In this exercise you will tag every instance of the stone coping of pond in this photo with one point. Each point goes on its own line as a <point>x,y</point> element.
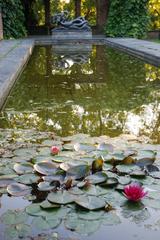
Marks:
<point>15,53</point>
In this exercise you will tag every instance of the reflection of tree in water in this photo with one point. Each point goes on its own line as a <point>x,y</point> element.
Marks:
<point>98,97</point>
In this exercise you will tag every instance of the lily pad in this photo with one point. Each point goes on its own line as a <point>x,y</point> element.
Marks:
<point>97,178</point>
<point>27,179</point>
<point>60,197</point>
<point>14,217</point>
<point>84,147</point>
<point>111,218</point>
<point>145,157</point>
<point>90,202</point>
<point>18,231</point>
<point>47,205</point>
<point>25,152</point>
<point>5,180</point>
<point>45,186</point>
<point>46,168</point>
<point>34,210</point>
<point>18,189</point>
<point>43,224</point>
<point>94,190</point>
<point>138,174</point>
<point>22,168</point>
<point>127,169</point>
<point>90,215</point>
<point>79,171</point>
<point>105,147</point>
<point>111,182</point>
<point>81,226</point>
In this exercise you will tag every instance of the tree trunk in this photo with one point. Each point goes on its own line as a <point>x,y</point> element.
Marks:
<point>102,8</point>
<point>77,8</point>
<point>47,12</point>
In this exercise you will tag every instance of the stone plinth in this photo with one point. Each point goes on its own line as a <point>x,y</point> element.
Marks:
<point>71,35</point>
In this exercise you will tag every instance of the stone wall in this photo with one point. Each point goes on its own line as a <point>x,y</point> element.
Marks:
<point>1,26</point>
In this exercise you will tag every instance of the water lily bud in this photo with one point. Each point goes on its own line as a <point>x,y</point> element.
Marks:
<point>55,150</point>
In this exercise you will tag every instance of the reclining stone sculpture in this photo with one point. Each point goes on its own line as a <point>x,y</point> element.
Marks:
<point>62,22</point>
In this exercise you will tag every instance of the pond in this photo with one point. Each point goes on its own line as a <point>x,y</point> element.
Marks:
<point>98,91</point>
<point>92,104</point>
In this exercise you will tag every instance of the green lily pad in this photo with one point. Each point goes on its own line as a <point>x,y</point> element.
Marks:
<point>105,147</point>
<point>155,174</point>
<point>94,190</point>
<point>145,157</point>
<point>114,198</point>
<point>22,168</point>
<point>47,205</point>
<point>79,171</point>
<point>60,159</point>
<point>81,226</point>
<point>34,210</point>
<point>75,191</point>
<point>51,178</point>
<point>27,179</point>
<point>18,231</point>
<point>111,218</point>
<point>138,174</point>
<point>5,180</point>
<point>90,202</point>
<point>152,203</point>
<point>97,178</point>
<point>25,152</point>
<point>60,197</point>
<point>18,189</point>
<point>14,217</point>
<point>45,186</point>
<point>127,169</point>
<point>43,224</point>
<point>84,147</point>
<point>124,180</point>
<point>90,215</point>
<point>46,168</point>
<point>111,182</point>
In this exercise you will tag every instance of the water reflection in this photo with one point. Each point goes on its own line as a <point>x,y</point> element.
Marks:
<point>111,93</point>
<point>65,56</point>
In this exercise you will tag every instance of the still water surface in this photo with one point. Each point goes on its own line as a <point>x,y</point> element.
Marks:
<point>99,91</point>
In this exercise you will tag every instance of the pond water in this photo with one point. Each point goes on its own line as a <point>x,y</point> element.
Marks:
<point>97,91</point>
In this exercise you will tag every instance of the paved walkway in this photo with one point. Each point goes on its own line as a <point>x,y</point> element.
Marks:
<point>15,53</point>
<point>13,56</point>
<point>146,50</point>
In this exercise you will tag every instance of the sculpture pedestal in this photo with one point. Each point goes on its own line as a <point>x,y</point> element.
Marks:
<point>71,35</point>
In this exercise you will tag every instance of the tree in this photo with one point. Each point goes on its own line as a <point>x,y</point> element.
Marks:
<point>102,8</point>
<point>77,8</point>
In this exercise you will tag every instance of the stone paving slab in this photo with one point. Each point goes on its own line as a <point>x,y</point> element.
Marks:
<point>7,46</point>
<point>146,50</point>
<point>14,55</point>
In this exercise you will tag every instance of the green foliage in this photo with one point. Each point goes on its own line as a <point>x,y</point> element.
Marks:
<point>13,18</point>
<point>127,18</point>
<point>154,9</point>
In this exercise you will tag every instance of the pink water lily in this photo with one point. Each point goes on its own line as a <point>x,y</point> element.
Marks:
<point>55,150</point>
<point>134,192</point>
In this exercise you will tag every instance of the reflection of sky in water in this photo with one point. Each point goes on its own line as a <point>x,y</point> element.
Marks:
<point>108,93</point>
